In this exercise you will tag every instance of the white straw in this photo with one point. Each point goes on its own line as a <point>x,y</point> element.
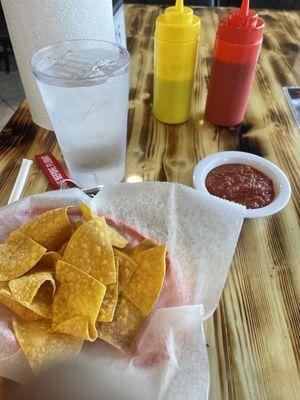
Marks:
<point>20,181</point>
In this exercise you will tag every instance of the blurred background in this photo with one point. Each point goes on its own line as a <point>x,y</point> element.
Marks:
<point>11,90</point>
<point>275,4</point>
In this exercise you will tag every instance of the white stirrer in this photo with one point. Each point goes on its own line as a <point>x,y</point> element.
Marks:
<point>20,181</point>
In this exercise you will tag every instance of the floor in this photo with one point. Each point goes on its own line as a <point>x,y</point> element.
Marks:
<point>11,92</point>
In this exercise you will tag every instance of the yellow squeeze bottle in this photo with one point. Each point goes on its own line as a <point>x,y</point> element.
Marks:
<point>175,56</point>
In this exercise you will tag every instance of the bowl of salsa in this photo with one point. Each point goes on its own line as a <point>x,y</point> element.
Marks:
<point>246,179</point>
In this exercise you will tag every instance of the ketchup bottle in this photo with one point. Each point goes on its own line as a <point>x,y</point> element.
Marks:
<point>238,42</point>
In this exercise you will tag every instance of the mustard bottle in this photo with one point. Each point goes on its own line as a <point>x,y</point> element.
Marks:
<point>175,56</point>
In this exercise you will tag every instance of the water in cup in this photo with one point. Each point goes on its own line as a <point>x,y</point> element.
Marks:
<point>85,91</point>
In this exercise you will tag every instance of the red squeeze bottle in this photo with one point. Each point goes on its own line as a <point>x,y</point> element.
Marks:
<point>238,42</point>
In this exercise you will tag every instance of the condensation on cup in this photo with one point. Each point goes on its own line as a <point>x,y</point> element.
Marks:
<point>85,87</point>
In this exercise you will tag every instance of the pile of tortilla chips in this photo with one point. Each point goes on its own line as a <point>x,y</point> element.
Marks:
<point>74,281</point>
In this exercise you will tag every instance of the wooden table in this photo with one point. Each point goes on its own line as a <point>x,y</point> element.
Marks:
<point>253,339</point>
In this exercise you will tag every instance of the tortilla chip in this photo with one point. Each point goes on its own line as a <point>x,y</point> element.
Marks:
<point>87,212</point>
<point>61,251</point>
<point>77,302</point>
<point>47,262</point>
<point>4,285</point>
<point>146,283</point>
<point>126,268</point>
<point>18,254</point>
<point>90,250</point>
<point>122,331</point>
<point>35,291</point>
<point>110,301</point>
<point>76,225</point>
<point>26,287</point>
<point>116,239</point>
<point>42,346</point>
<point>109,304</point>
<point>50,229</point>
<point>7,298</point>
<point>133,252</point>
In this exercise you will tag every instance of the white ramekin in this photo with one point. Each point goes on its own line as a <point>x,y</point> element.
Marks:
<point>281,182</point>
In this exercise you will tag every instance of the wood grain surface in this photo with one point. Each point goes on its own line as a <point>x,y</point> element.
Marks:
<point>253,339</point>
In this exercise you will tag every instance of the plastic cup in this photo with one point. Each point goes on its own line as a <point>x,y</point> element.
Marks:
<point>85,85</point>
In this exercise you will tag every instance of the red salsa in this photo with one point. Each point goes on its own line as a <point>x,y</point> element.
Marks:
<point>241,184</point>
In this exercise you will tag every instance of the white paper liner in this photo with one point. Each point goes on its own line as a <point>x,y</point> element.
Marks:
<point>201,233</point>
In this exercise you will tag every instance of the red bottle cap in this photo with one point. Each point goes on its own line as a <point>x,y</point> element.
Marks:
<point>241,26</point>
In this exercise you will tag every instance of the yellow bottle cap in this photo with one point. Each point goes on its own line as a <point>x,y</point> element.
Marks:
<point>178,24</point>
